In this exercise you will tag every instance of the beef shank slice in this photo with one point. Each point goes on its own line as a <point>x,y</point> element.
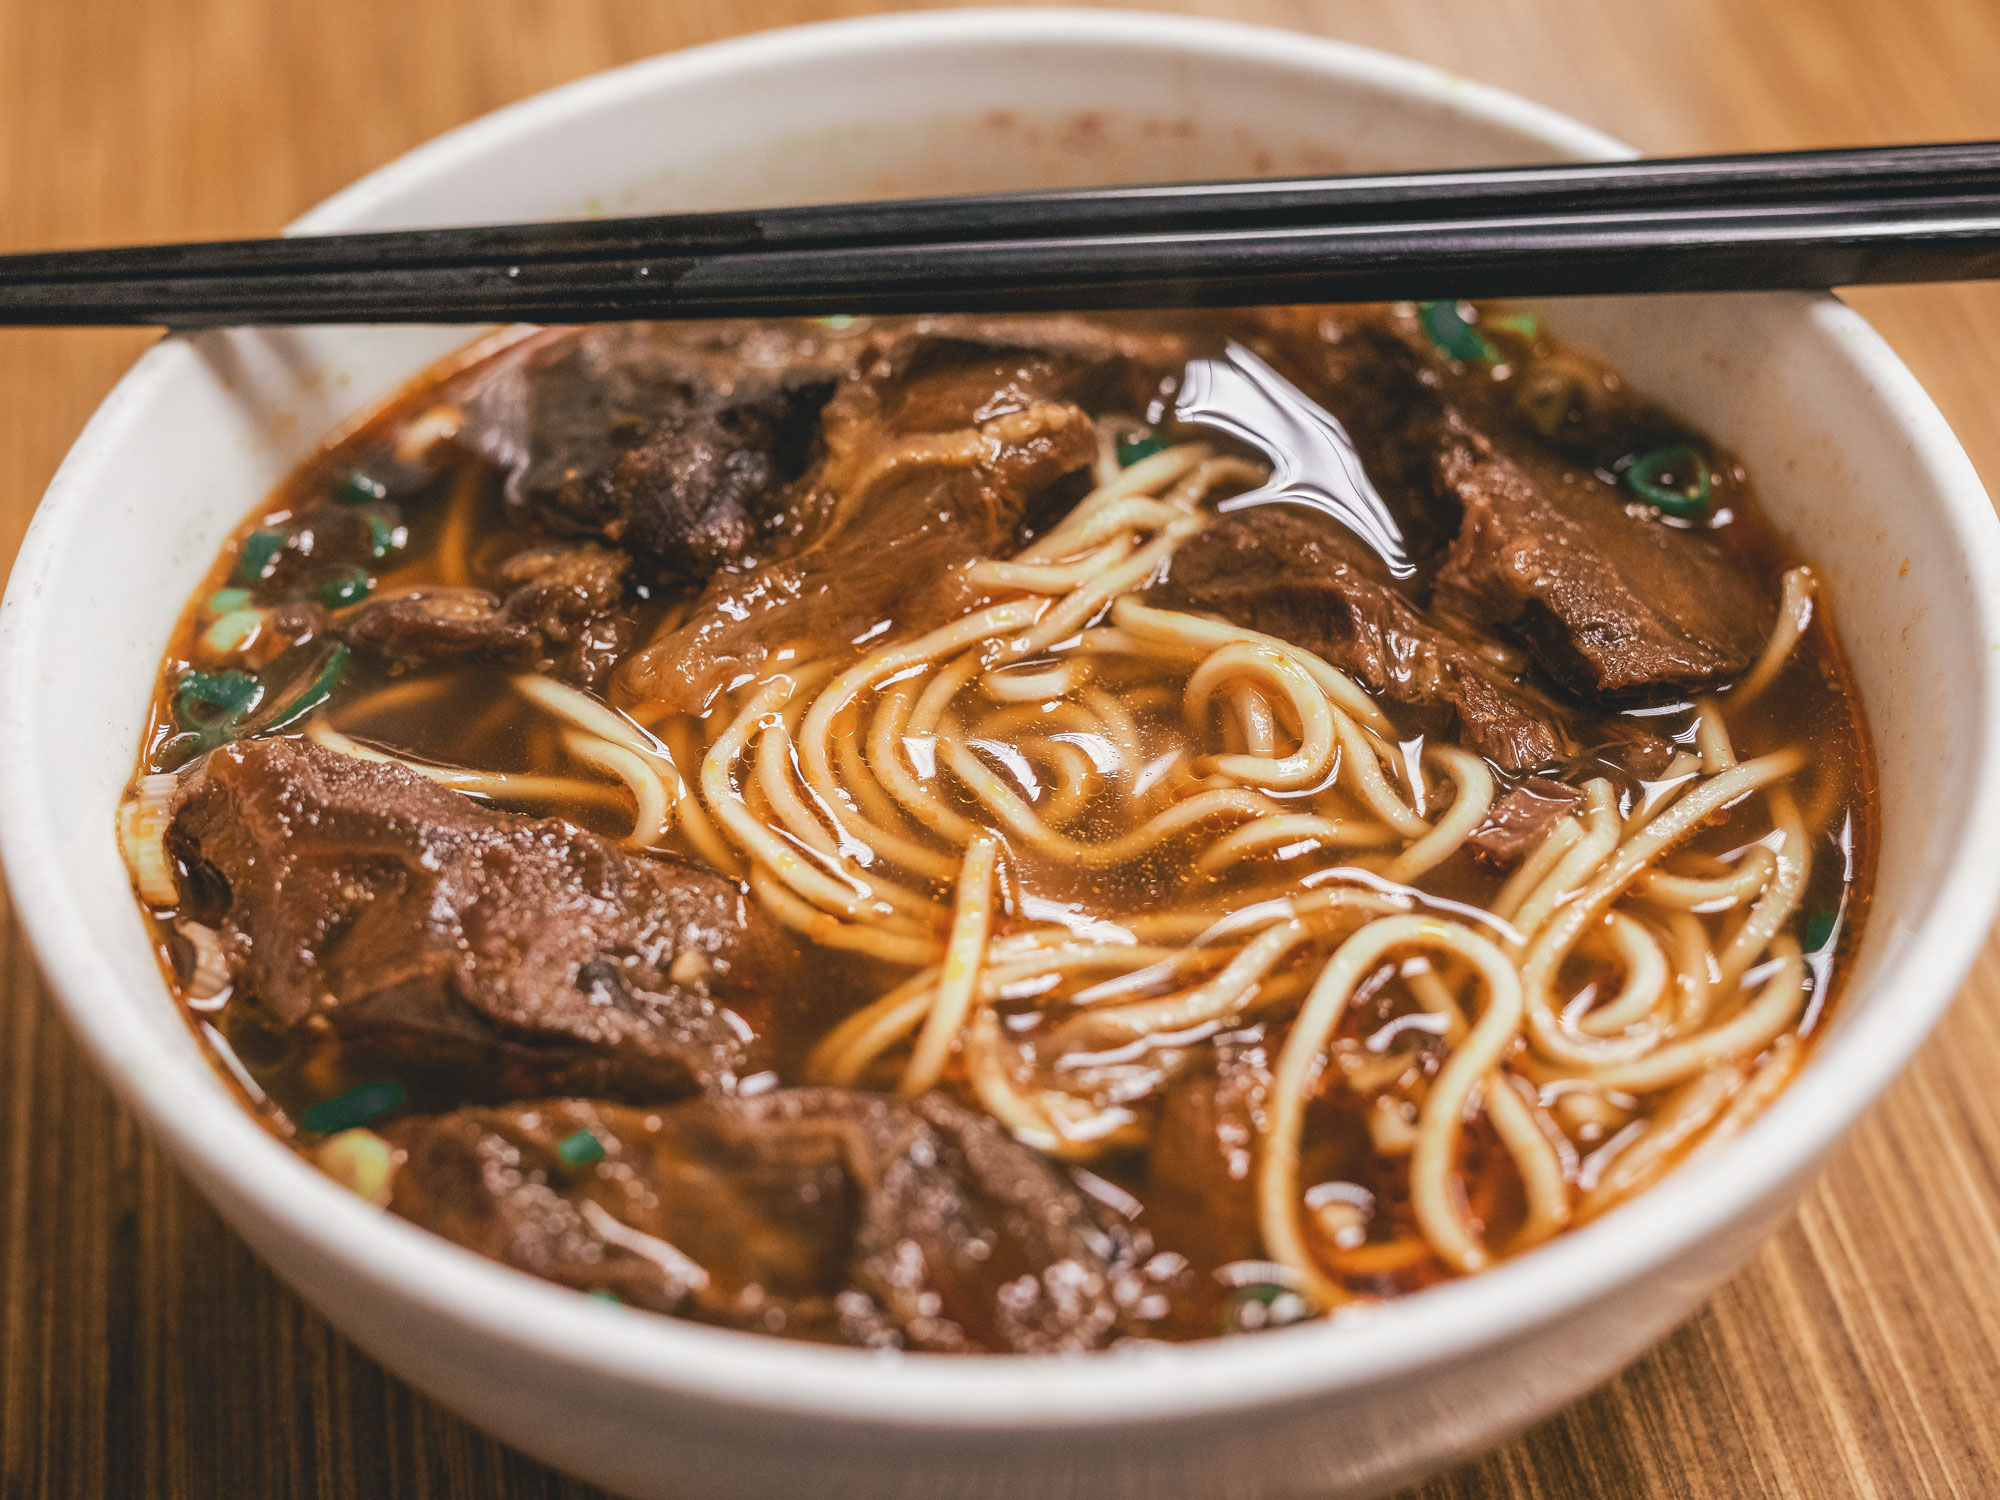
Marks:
<point>821,1213</point>
<point>1517,532</point>
<point>1614,600</point>
<point>678,445</point>
<point>413,923</point>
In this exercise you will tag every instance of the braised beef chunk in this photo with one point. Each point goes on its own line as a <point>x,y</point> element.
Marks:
<point>933,457</point>
<point>1523,534</point>
<point>410,922</point>
<point>1612,599</point>
<point>947,373</point>
<point>563,616</point>
<point>1290,573</point>
<point>677,446</point>
<point>820,1213</point>
<point>1519,819</point>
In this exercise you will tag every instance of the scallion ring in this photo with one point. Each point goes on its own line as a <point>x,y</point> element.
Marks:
<point>259,554</point>
<point>349,586</point>
<point>211,704</point>
<point>1675,479</point>
<point>1145,447</point>
<point>232,630</point>
<point>320,681</point>
<point>361,489</point>
<point>385,536</point>
<point>359,1105</point>
<point>580,1150</point>
<point>1453,334</point>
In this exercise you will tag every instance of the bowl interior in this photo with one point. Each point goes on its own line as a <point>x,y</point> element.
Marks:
<point>1850,458</point>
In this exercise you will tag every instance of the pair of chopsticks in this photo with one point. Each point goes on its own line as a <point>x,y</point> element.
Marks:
<point>1725,223</point>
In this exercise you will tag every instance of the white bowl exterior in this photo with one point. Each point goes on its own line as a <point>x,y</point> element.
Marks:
<point>1851,459</point>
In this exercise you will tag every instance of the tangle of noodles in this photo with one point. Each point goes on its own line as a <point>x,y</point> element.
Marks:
<point>1064,728</point>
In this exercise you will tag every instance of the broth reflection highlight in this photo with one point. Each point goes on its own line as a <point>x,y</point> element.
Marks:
<point>1009,834</point>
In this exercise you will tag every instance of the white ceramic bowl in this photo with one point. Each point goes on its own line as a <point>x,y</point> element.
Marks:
<point>1853,461</point>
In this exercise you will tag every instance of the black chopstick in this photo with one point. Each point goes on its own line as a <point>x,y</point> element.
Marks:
<point>1803,220</point>
<point>1666,183</point>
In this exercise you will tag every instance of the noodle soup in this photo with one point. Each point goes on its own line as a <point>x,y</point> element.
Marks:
<point>1009,835</point>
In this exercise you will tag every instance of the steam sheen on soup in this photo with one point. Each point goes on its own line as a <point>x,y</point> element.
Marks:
<point>1009,834</point>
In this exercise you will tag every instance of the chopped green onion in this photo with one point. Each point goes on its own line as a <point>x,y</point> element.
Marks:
<point>1453,334</point>
<point>363,1162</point>
<point>232,629</point>
<point>1145,447</point>
<point>1525,323</point>
<point>580,1150</point>
<point>361,489</point>
<point>1675,480</point>
<point>601,1295</point>
<point>222,601</point>
<point>317,690</point>
<point>1263,1304</point>
<point>1820,929</point>
<point>385,536</point>
<point>355,1107</point>
<point>211,704</point>
<point>210,708</point>
<point>259,551</point>
<point>349,586</point>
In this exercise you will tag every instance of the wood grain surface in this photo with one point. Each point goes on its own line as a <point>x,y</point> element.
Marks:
<point>144,1352</point>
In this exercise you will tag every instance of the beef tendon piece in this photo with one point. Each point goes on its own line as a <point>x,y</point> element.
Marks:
<point>1613,599</point>
<point>934,455</point>
<point>358,900</point>
<point>820,1213</point>
<point>678,445</point>
<point>562,616</point>
<point>1287,572</point>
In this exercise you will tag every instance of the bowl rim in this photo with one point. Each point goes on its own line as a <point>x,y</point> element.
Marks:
<point>236,1160</point>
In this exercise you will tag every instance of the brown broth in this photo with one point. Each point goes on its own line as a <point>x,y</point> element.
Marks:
<point>467,716</point>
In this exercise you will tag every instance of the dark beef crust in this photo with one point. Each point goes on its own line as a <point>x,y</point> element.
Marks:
<point>410,922</point>
<point>821,1213</point>
<point>677,445</point>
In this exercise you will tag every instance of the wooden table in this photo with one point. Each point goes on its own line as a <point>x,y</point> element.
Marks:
<point>143,1351</point>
